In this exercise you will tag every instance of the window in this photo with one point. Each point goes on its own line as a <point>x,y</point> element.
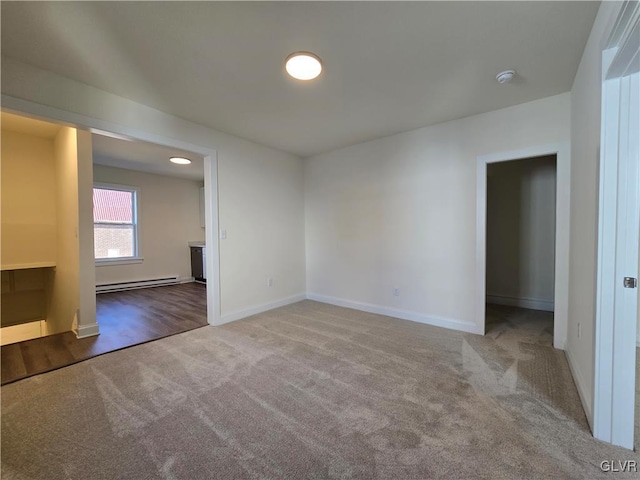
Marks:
<point>115,223</point>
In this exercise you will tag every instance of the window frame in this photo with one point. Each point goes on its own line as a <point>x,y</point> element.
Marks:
<point>137,256</point>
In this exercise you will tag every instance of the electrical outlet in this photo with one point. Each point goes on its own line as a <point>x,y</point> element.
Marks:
<point>396,292</point>
<point>579,330</point>
<point>269,282</point>
<point>223,234</point>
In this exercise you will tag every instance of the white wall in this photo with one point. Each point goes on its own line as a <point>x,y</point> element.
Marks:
<point>162,202</point>
<point>65,294</point>
<point>260,189</point>
<point>585,151</point>
<point>86,322</point>
<point>262,212</point>
<point>401,212</point>
<point>521,216</point>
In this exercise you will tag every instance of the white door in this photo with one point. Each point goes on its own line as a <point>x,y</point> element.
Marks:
<point>618,241</point>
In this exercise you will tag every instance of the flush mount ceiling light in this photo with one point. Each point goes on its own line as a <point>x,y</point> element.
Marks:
<point>180,160</point>
<point>303,65</point>
<point>506,76</point>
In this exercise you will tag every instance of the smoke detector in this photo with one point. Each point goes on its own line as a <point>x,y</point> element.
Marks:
<point>506,76</point>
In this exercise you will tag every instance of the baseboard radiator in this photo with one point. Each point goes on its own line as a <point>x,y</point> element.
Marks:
<point>118,287</point>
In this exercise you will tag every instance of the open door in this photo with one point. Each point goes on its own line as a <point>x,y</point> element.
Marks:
<point>618,235</point>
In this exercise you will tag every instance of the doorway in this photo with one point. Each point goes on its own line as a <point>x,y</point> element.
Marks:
<point>148,218</point>
<point>561,237</point>
<point>33,269</point>
<point>117,130</point>
<point>40,251</point>
<point>520,248</point>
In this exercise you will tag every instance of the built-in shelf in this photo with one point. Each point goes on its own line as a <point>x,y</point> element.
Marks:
<point>23,266</point>
<point>24,295</point>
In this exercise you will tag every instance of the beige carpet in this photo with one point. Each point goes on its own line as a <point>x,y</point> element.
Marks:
<point>311,391</point>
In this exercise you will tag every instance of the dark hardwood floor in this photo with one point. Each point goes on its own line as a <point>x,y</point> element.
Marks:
<point>125,319</point>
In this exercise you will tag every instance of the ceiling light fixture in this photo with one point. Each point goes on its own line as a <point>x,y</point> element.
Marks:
<point>303,65</point>
<point>180,160</point>
<point>506,76</point>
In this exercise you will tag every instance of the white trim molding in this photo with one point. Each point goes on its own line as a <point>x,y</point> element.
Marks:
<point>562,152</point>
<point>84,331</point>
<point>522,302</point>
<point>264,307</point>
<point>402,314</point>
<point>212,226</point>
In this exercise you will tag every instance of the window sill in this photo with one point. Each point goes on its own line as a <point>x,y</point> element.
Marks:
<point>106,262</point>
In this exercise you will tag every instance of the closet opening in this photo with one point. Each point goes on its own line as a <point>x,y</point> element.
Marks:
<point>520,247</point>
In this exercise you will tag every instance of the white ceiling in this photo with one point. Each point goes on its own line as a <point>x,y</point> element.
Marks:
<point>145,157</point>
<point>389,66</point>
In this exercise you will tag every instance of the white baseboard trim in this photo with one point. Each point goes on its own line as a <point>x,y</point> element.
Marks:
<point>579,381</point>
<point>247,312</point>
<point>186,279</point>
<point>84,331</point>
<point>403,314</point>
<point>523,302</point>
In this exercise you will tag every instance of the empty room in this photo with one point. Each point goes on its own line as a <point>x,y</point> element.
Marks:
<point>405,246</point>
<point>147,286</point>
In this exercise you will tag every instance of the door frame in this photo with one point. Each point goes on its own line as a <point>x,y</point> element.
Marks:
<point>618,248</point>
<point>563,178</point>
<point>83,122</point>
